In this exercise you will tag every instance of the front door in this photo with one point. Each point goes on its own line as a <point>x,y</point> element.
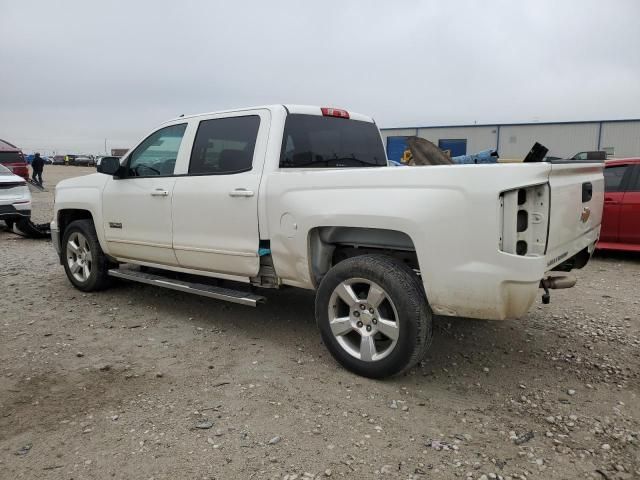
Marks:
<point>614,184</point>
<point>215,205</point>
<point>137,206</point>
<point>630,211</point>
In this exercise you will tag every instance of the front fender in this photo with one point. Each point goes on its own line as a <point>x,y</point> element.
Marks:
<point>82,193</point>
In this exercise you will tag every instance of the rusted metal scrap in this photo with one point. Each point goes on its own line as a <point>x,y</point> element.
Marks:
<point>424,152</point>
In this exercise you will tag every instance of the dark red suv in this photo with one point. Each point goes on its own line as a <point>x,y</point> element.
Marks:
<point>621,214</point>
<point>13,158</point>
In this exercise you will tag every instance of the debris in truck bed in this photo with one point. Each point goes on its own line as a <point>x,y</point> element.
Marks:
<point>423,152</point>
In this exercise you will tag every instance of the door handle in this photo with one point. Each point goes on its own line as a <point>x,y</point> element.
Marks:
<point>159,192</point>
<point>610,201</point>
<point>241,192</point>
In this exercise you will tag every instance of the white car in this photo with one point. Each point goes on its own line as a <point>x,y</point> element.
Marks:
<point>300,196</point>
<point>15,197</point>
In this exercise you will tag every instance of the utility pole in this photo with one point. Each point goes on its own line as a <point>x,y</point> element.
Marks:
<point>105,147</point>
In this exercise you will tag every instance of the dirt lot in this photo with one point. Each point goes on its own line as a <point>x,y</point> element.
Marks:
<point>137,382</point>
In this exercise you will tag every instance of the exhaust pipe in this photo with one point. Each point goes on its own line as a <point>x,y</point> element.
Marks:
<point>560,281</point>
<point>556,282</point>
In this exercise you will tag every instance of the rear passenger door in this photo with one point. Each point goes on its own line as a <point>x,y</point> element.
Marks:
<point>630,210</point>
<point>215,203</point>
<point>615,178</point>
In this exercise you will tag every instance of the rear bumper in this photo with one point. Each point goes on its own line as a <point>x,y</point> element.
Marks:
<point>504,289</point>
<point>493,299</point>
<point>8,212</point>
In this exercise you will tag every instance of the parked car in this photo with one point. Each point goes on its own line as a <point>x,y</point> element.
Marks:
<point>15,197</point>
<point>13,158</point>
<point>621,216</point>
<point>58,160</point>
<point>84,161</point>
<point>591,155</point>
<point>303,196</point>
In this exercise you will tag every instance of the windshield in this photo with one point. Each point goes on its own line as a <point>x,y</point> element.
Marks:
<point>313,141</point>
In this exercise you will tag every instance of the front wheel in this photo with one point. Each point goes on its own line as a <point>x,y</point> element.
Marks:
<point>85,263</point>
<point>373,315</point>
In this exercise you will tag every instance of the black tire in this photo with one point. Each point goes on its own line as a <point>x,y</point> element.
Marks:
<point>404,291</point>
<point>98,279</point>
<point>9,224</point>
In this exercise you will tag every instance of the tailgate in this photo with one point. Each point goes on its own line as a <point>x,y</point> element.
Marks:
<point>577,196</point>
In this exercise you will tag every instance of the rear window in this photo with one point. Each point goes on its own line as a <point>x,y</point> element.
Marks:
<point>313,141</point>
<point>11,157</point>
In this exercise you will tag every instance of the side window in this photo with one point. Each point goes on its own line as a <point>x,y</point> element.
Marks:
<point>157,154</point>
<point>613,177</point>
<point>224,145</point>
<point>634,185</point>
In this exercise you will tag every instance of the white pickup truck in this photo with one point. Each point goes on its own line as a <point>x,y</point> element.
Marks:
<point>299,196</point>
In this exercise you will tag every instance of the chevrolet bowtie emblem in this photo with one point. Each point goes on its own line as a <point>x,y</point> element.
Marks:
<point>586,213</point>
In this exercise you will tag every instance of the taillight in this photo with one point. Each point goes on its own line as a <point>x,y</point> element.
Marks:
<point>334,112</point>
<point>524,220</point>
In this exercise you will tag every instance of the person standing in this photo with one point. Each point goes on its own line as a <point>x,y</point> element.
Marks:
<point>37,165</point>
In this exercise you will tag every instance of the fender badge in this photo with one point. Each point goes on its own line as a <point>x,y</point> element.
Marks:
<point>115,225</point>
<point>586,213</point>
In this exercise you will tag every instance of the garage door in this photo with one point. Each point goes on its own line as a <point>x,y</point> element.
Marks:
<point>456,146</point>
<point>396,147</point>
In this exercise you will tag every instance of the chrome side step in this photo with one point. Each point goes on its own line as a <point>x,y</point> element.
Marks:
<point>219,293</point>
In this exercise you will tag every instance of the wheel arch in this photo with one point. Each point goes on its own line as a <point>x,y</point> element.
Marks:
<point>328,245</point>
<point>68,215</point>
<point>64,217</point>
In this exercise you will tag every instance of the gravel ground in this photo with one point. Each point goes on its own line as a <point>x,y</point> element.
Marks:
<point>138,382</point>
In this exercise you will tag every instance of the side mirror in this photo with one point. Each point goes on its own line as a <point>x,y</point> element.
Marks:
<point>108,165</point>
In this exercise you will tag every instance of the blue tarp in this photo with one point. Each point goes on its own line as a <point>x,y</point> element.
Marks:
<point>485,156</point>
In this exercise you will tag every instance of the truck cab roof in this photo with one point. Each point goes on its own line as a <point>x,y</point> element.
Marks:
<point>289,108</point>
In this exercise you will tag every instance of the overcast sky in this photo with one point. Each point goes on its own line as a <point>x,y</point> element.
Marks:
<point>73,73</point>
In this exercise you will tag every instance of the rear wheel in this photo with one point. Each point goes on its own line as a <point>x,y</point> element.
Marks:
<point>373,315</point>
<point>85,263</point>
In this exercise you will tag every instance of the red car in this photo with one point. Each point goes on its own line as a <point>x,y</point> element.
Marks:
<point>13,158</point>
<point>621,215</point>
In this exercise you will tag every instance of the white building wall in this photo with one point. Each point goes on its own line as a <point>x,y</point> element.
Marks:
<point>624,137</point>
<point>562,140</point>
<point>398,132</point>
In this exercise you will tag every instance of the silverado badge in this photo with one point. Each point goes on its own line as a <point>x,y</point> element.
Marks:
<point>586,213</point>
